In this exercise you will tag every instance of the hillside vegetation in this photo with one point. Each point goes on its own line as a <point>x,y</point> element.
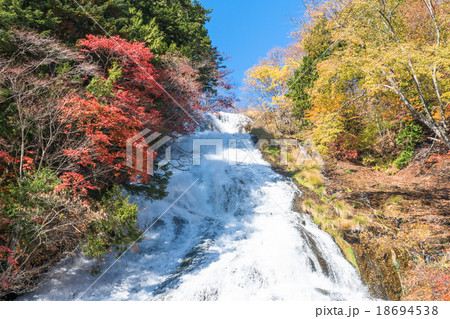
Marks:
<point>76,82</point>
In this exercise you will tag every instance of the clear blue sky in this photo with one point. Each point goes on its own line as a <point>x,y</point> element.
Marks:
<point>246,30</point>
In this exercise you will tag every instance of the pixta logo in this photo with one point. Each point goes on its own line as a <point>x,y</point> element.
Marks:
<point>229,152</point>
<point>141,151</point>
<point>142,148</point>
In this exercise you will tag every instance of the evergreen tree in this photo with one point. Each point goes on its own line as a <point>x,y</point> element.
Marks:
<point>317,47</point>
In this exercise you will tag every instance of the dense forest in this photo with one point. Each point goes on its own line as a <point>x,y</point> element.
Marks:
<point>365,88</point>
<point>372,79</point>
<point>77,79</point>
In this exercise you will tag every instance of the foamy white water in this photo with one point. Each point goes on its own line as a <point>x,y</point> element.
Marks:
<point>232,236</point>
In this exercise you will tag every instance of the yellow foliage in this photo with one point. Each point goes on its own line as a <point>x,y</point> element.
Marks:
<point>268,79</point>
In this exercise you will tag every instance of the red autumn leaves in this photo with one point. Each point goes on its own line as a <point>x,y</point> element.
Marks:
<point>126,99</point>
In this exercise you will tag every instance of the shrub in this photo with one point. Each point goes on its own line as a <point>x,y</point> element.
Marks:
<point>326,131</point>
<point>332,139</point>
<point>407,140</point>
<point>404,158</point>
<point>345,147</point>
<point>116,229</point>
<point>38,227</point>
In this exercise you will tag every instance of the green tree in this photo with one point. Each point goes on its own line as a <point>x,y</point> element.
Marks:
<point>164,25</point>
<point>317,47</point>
<point>116,229</point>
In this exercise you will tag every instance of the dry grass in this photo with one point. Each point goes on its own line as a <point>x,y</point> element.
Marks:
<point>308,205</point>
<point>343,209</point>
<point>310,176</point>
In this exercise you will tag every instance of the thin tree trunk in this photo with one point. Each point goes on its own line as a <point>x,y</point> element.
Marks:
<point>22,151</point>
<point>439,130</point>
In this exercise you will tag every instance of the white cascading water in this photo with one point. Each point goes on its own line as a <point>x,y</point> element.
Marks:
<point>231,236</point>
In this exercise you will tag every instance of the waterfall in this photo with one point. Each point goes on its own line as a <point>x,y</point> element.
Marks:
<point>232,234</point>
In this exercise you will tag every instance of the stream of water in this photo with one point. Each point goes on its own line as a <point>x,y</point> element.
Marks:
<point>232,235</point>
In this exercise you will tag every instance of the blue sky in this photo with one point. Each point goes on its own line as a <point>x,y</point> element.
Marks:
<point>246,30</point>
